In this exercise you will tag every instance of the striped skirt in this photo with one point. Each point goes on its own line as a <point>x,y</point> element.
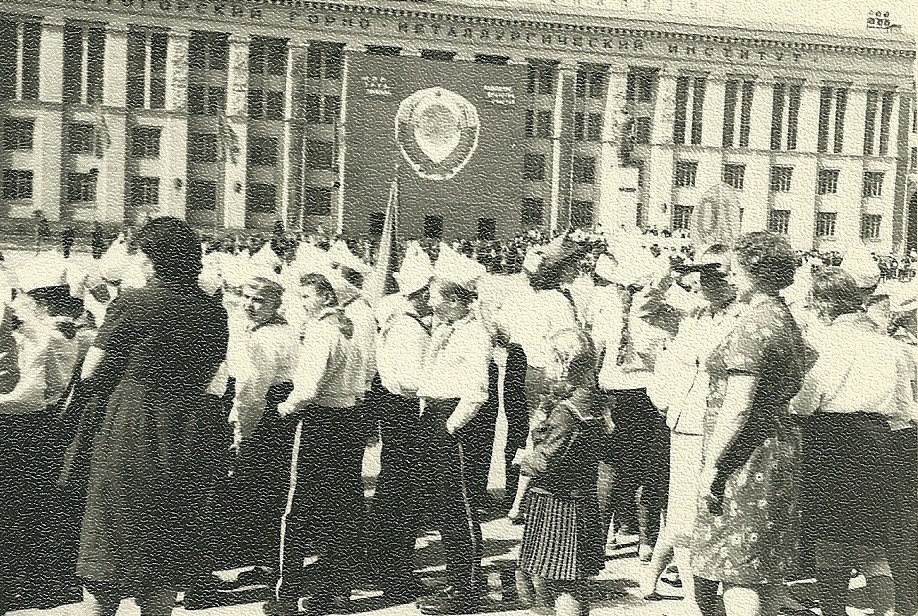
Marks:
<point>563,538</point>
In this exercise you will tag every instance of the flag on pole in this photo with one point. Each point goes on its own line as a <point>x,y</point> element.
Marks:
<point>228,141</point>
<point>381,281</point>
<point>102,136</point>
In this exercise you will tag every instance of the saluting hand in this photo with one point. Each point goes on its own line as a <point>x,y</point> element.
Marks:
<point>286,409</point>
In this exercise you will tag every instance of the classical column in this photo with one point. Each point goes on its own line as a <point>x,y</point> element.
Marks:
<point>110,183</point>
<point>234,169</point>
<point>351,53</point>
<point>614,209</point>
<point>562,151</point>
<point>710,158</point>
<point>174,184</point>
<point>855,122</point>
<point>291,161</point>
<point>46,178</point>
<point>760,128</point>
<point>659,166</point>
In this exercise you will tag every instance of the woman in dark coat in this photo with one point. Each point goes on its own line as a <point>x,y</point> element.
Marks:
<point>156,454</point>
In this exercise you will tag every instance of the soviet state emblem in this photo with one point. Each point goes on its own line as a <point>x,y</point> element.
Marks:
<point>437,132</point>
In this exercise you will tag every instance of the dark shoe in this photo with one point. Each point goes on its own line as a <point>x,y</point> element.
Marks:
<point>322,606</point>
<point>449,601</point>
<point>283,607</point>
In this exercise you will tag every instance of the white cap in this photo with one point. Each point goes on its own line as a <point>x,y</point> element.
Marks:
<point>456,268</point>
<point>860,265</point>
<point>416,270</point>
<point>46,269</point>
<point>340,254</point>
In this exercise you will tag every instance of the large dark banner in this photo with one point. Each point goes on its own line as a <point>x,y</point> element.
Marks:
<point>453,129</point>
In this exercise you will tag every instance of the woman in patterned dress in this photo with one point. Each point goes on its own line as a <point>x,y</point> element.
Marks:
<point>745,533</point>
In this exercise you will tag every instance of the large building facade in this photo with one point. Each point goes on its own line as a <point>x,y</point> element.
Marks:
<point>234,114</point>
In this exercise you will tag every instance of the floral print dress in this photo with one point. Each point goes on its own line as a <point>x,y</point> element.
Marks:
<point>753,540</point>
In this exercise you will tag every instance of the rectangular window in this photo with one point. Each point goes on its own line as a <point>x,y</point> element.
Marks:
<point>331,108</point>
<point>81,138</point>
<point>686,173</point>
<point>324,61</point>
<point>262,151</point>
<point>827,182</point>
<point>261,198</point>
<point>202,147</point>
<point>317,201</point>
<point>81,187</point>
<point>870,226</point>
<point>216,100</point>
<point>312,108</point>
<point>17,184</point>
<point>640,86</point>
<point>885,121</point>
<point>746,113</point>
<point>779,221</point>
<point>197,98</point>
<point>734,175</point>
<point>146,69</point>
<point>777,115</point>
<point>17,133</point>
<point>208,51</point>
<point>265,104</point>
<point>841,104</point>
<point>544,125</point>
<point>642,130</point>
<point>870,122</point>
<point>319,154</point>
<point>780,180</point>
<point>682,92</point>
<point>682,217</point>
<point>825,224</point>
<point>579,126</point>
<point>793,115</point>
<point>698,109</point>
<point>541,78</point>
<point>825,110</point>
<point>84,49</point>
<point>594,127</point>
<point>275,105</point>
<point>19,46</point>
<point>873,184</point>
<point>584,169</point>
<point>533,166</point>
<point>487,228</point>
<point>581,214</point>
<point>530,124</point>
<point>144,192</point>
<point>438,55</point>
<point>433,227</point>
<point>731,90</point>
<point>256,103</point>
<point>267,56</point>
<point>531,212</point>
<point>145,141</point>
<point>202,195</point>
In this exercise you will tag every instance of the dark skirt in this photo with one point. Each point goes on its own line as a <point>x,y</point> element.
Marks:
<point>563,538</point>
<point>846,478</point>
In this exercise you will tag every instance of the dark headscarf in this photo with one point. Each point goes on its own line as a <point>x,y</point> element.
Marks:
<point>174,249</point>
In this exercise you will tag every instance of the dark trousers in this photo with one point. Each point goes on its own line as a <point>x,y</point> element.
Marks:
<point>325,503</point>
<point>394,515</point>
<point>517,414</point>
<point>639,454</point>
<point>902,526</point>
<point>479,442</point>
<point>445,496</point>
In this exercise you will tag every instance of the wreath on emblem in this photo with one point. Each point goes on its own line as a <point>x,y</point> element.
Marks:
<point>437,132</point>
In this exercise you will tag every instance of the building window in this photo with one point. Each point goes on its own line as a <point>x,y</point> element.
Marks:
<point>81,138</point>
<point>682,94</point>
<point>262,151</point>
<point>779,221</point>
<point>208,51</point>
<point>831,101</point>
<point>487,228</point>
<point>870,122</point>
<point>700,84</point>
<point>202,147</point>
<point>731,96</point>
<point>84,49</point>
<point>885,121</point>
<point>913,159</point>
<point>587,127</point>
<point>531,212</point>
<point>144,192</point>
<point>639,165</point>
<point>202,195</point>
<point>870,226</point>
<point>206,100</point>
<point>19,46</point>
<point>584,169</point>
<point>827,182</point>
<point>734,175</point>
<point>17,184</point>
<point>145,141</point>
<point>17,133</point>
<point>793,116</point>
<point>538,124</point>
<point>825,109</point>
<point>873,184</point>
<point>780,180</point>
<point>581,214</point>
<point>540,78</point>
<point>433,227</point>
<point>682,217</point>
<point>825,224</point>
<point>146,69</point>
<point>639,86</point>
<point>383,50</point>
<point>267,56</point>
<point>265,104</point>
<point>318,154</point>
<point>483,58</point>
<point>376,224</point>
<point>686,173</point>
<point>641,130</point>
<point>438,55</point>
<point>324,61</point>
<point>777,115</point>
<point>331,108</point>
<point>261,198</point>
<point>591,82</point>
<point>81,187</point>
<point>746,113</point>
<point>317,201</point>
<point>533,166</point>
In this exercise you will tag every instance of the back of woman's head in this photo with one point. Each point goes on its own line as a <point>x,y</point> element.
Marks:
<point>173,247</point>
<point>836,293</point>
<point>768,259</point>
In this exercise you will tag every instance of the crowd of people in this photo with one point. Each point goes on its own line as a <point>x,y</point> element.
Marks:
<point>185,406</point>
